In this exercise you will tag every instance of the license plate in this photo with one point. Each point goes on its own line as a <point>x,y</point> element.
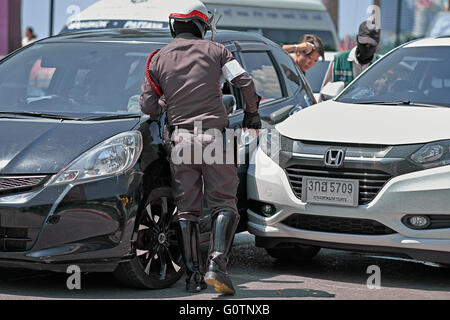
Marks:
<point>338,192</point>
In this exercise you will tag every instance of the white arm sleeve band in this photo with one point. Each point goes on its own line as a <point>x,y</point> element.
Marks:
<point>232,70</point>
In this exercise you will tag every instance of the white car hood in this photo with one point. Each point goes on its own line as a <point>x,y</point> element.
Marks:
<point>332,121</point>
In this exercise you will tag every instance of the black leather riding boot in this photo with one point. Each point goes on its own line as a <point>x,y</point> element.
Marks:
<point>222,234</point>
<point>190,249</point>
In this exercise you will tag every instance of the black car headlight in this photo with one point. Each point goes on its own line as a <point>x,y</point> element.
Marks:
<point>111,157</point>
<point>435,154</point>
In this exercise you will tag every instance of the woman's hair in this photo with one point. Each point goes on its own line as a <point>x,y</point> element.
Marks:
<point>317,43</point>
<point>31,31</point>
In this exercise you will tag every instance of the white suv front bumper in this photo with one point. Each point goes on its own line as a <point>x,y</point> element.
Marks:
<point>424,192</point>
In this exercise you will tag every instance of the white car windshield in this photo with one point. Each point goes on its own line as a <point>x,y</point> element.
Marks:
<point>408,76</point>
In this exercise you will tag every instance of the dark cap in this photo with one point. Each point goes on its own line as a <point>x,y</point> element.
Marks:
<point>368,35</point>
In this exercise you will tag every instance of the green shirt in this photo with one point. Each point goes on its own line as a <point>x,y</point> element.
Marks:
<point>346,67</point>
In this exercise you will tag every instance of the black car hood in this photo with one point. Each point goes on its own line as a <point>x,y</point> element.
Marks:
<point>41,146</point>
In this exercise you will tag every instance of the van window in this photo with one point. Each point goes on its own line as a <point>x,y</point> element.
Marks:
<point>260,67</point>
<point>290,36</point>
<point>286,36</point>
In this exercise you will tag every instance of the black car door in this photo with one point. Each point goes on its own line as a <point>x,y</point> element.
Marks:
<point>278,81</point>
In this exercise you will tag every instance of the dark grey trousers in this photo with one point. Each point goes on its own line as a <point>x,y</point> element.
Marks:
<point>195,175</point>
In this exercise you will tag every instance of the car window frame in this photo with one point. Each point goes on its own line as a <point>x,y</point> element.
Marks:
<point>302,77</point>
<point>231,46</point>
<point>259,46</point>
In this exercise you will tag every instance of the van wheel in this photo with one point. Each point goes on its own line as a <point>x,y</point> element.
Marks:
<point>295,252</point>
<point>158,262</point>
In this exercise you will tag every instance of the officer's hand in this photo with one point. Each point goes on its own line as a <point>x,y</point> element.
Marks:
<point>252,121</point>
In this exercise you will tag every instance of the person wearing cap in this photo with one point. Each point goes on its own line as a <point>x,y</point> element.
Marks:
<point>183,79</point>
<point>307,52</point>
<point>348,65</point>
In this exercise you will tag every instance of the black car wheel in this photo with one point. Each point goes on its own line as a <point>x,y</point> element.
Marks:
<point>158,262</point>
<point>295,252</point>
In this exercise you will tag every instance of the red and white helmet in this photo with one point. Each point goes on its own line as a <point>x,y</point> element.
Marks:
<point>191,10</point>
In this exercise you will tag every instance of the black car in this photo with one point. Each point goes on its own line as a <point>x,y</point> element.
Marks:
<point>84,178</point>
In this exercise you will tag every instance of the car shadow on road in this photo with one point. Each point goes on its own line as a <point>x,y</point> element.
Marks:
<point>43,285</point>
<point>352,267</point>
<point>254,273</point>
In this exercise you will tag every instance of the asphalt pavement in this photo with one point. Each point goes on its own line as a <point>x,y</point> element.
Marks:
<point>332,275</point>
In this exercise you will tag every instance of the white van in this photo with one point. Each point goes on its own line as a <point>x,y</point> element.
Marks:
<point>283,21</point>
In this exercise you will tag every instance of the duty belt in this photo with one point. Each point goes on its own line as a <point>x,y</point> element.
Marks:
<point>192,128</point>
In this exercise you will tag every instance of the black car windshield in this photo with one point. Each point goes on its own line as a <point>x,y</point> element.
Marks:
<point>408,76</point>
<point>74,78</point>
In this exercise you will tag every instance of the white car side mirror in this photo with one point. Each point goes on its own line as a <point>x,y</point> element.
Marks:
<point>331,90</point>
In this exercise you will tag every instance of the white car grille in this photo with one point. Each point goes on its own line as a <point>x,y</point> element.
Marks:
<point>370,181</point>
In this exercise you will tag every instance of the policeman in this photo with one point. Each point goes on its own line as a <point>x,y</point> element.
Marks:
<point>350,64</point>
<point>184,80</point>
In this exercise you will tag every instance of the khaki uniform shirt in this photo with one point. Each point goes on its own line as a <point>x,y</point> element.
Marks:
<point>189,72</point>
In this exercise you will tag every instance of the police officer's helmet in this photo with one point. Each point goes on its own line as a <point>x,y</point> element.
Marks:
<point>191,10</point>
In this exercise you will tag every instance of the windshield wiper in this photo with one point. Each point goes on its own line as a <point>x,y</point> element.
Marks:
<point>39,115</point>
<point>112,117</point>
<point>403,103</point>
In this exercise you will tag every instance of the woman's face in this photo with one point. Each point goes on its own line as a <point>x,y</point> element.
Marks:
<point>28,33</point>
<point>307,61</point>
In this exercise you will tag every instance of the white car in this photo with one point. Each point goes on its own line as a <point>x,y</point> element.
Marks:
<point>368,171</point>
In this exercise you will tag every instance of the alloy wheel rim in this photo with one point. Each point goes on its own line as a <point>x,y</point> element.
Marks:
<point>157,244</point>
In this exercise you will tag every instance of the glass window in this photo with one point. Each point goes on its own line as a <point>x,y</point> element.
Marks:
<point>289,70</point>
<point>288,36</point>
<point>260,67</point>
<point>316,74</point>
<point>74,77</point>
<point>411,75</point>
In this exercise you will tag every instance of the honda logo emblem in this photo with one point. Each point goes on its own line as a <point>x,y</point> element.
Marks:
<point>334,158</point>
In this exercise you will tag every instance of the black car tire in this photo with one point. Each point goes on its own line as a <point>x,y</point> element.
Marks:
<point>295,252</point>
<point>158,261</point>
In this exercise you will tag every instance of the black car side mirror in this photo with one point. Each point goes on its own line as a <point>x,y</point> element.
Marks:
<point>229,101</point>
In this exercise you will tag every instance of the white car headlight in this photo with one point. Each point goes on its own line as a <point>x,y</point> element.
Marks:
<point>432,155</point>
<point>270,142</point>
<point>111,157</point>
